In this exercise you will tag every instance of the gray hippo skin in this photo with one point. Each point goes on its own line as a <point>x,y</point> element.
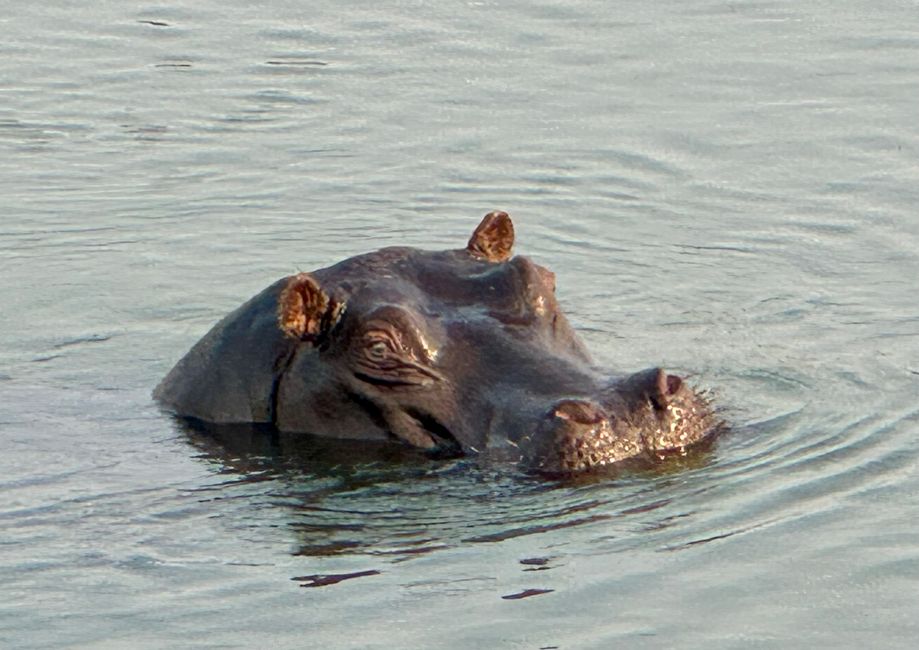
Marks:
<point>458,351</point>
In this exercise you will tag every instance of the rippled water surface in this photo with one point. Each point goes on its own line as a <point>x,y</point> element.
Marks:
<point>727,189</point>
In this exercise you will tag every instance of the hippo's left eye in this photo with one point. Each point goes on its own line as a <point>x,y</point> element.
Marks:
<point>386,360</point>
<point>379,343</point>
<point>378,349</point>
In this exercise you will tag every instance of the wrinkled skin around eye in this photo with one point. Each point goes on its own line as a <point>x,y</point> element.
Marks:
<point>387,357</point>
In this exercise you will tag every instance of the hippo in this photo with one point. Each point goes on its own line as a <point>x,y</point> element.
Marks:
<point>454,352</point>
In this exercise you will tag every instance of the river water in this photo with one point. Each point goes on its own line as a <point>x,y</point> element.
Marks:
<point>728,189</point>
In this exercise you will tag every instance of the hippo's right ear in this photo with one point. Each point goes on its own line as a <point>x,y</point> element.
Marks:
<point>494,238</point>
<point>305,311</point>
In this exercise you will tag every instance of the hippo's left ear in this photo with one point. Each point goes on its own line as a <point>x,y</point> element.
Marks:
<point>305,311</point>
<point>494,238</point>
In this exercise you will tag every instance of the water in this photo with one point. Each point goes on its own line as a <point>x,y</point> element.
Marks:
<point>728,189</point>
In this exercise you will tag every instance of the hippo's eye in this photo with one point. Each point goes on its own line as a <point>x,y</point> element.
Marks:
<point>377,349</point>
<point>380,345</point>
<point>386,362</point>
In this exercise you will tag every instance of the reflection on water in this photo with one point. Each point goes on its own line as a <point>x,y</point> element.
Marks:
<point>345,497</point>
<point>261,451</point>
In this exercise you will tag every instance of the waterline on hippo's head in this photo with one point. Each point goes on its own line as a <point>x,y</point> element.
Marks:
<point>455,352</point>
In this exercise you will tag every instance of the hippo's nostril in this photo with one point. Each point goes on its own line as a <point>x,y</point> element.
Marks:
<point>665,388</point>
<point>674,384</point>
<point>579,411</point>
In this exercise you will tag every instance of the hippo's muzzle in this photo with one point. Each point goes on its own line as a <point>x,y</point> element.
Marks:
<point>648,414</point>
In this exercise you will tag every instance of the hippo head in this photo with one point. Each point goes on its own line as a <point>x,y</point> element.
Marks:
<point>465,350</point>
<point>453,351</point>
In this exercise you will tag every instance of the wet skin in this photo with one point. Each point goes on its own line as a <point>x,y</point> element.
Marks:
<point>455,351</point>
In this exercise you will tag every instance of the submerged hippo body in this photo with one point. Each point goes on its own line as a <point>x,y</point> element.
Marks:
<point>458,351</point>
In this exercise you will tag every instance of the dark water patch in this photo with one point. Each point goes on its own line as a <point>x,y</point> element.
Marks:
<point>714,538</point>
<point>527,593</point>
<point>533,530</point>
<point>297,63</point>
<point>646,507</point>
<point>325,580</point>
<point>537,563</point>
<point>407,553</point>
<point>338,547</point>
<point>81,340</point>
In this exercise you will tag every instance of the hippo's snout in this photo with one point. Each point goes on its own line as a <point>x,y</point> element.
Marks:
<point>575,435</point>
<point>646,414</point>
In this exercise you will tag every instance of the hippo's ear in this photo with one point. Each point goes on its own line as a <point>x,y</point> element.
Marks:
<point>305,311</point>
<point>665,388</point>
<point>494,238</point>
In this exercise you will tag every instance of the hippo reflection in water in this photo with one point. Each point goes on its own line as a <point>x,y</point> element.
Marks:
<point>455,351</point>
